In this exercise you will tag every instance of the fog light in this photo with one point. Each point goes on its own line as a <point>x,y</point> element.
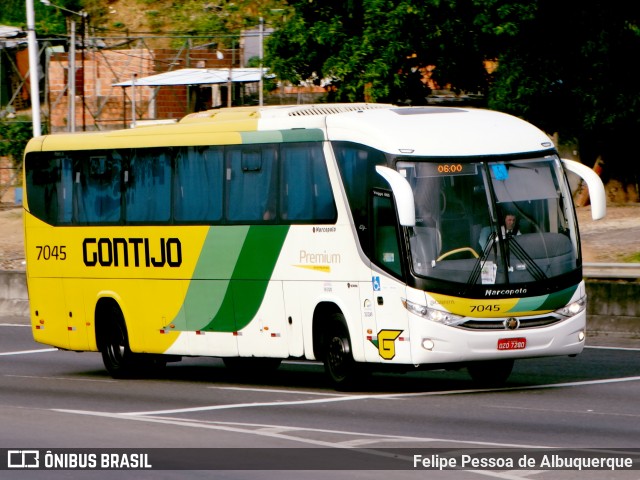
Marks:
<point>427,344</point>
<point>581,335</point>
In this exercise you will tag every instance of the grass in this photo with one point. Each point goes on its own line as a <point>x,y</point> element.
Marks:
<point>633,258</point>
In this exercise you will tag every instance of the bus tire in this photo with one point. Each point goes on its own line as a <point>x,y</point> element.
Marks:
<point>338,360</point>
<point>117,357</point>
<point>490,373</point>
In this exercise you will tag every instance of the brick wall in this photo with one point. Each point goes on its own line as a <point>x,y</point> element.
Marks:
<point>9,179</point>
<point>106,106</point>
<point>173,102</point>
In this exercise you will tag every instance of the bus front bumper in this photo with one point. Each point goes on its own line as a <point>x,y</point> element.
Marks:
<point>436,343</point>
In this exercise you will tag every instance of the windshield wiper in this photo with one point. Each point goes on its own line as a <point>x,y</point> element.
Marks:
<point>519,252</point>
<point>477,268</point>
<point>511,245</point>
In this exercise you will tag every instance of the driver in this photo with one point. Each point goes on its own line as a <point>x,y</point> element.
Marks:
<point>510,226</point>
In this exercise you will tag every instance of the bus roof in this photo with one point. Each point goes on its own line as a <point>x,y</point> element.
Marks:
<point>439,131</point>
<point>411,131</point>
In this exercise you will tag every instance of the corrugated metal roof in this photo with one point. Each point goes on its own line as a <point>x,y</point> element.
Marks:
<point>11,37</point>
<point>11,32</point>
<point>196,76</point>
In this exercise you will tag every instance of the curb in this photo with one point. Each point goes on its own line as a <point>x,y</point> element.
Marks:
<point>14,299</point>
<point>613,308</point>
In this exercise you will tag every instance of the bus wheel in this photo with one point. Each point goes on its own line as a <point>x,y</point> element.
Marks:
<point>338,359</point>
<point>490,373</point>
<point>116,354</point>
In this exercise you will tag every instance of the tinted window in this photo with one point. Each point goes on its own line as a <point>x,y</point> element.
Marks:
<point>50,184</point>
<point>385,228</point>
<point>261,183</point>
<point>357,165</point>
<point>251,192</point>
<point>148,182</point>
<point>97,187</point>
<point>198,184</point>
<point>305,189</point>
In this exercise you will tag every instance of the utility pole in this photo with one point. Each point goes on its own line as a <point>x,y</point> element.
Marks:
<point>261,82</point>
<point>71,84</point>
<point>71,72</point>
<point>33,69</point>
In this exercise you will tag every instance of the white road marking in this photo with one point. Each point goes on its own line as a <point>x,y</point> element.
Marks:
<point>26,352</point>
<point>63,378</point>
<point>560,411</point>
<point>384,396</point>
<point>276,431</point>
<point>523,387</point>
<point>629,349</point>
<point>273,431</point>
<point>351,439</point>
<point>274,390</point>
<point>231,406</point>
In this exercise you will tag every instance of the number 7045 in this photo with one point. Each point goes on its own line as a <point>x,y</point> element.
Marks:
<point>52,252</point>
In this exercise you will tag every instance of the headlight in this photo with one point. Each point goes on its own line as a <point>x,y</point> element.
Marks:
<point>573,308</point>
<point>438,316</point>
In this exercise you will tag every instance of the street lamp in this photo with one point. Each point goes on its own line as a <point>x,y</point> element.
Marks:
<point>220,56</point>
<point>71,87</point>
<point>49,4</point>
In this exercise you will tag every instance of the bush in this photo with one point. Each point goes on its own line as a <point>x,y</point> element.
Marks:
<point>15,133</point>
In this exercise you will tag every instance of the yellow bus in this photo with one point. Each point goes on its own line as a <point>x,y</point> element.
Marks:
<point>365,236</point>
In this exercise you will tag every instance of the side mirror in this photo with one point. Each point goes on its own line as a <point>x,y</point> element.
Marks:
<point>405,203</point>
<point>597,194</point>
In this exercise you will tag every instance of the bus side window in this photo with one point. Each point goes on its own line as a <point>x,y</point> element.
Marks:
<point>97,188</point>
<point>50,184</point>
<point>357,169</point>
<point>148,186</point>
<point>198,191</point>
<point>251,175</point>
<point>305,189</point>
<point>385,228</point>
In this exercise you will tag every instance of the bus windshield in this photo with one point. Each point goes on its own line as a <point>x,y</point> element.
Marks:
<point>491,223</point>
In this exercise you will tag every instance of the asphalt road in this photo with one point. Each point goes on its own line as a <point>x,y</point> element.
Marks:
<point>51,399</point>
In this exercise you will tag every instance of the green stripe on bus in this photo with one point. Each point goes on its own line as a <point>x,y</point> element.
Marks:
<point>255,267</point>
<point>303,135</point>
<point>552,301</point>
<point>558,299</point>
<point>206,296</point>
<point>220,252</point>
<point>234,270</point>
<point>279,136</point>
<point>260,252</point>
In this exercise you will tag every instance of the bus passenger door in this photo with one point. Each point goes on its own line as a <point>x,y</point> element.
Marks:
<point>260,318</point>
<point>208,313</point>
<point>391,334</point>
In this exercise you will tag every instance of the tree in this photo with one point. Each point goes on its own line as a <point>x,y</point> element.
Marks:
<point>375,49</point>
<point>566,69</point>
<point>49,21</point>
<point>14,136</point>
<point>564,66</point>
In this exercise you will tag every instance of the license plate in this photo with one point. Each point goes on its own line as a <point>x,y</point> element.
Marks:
<point>512,343</point>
